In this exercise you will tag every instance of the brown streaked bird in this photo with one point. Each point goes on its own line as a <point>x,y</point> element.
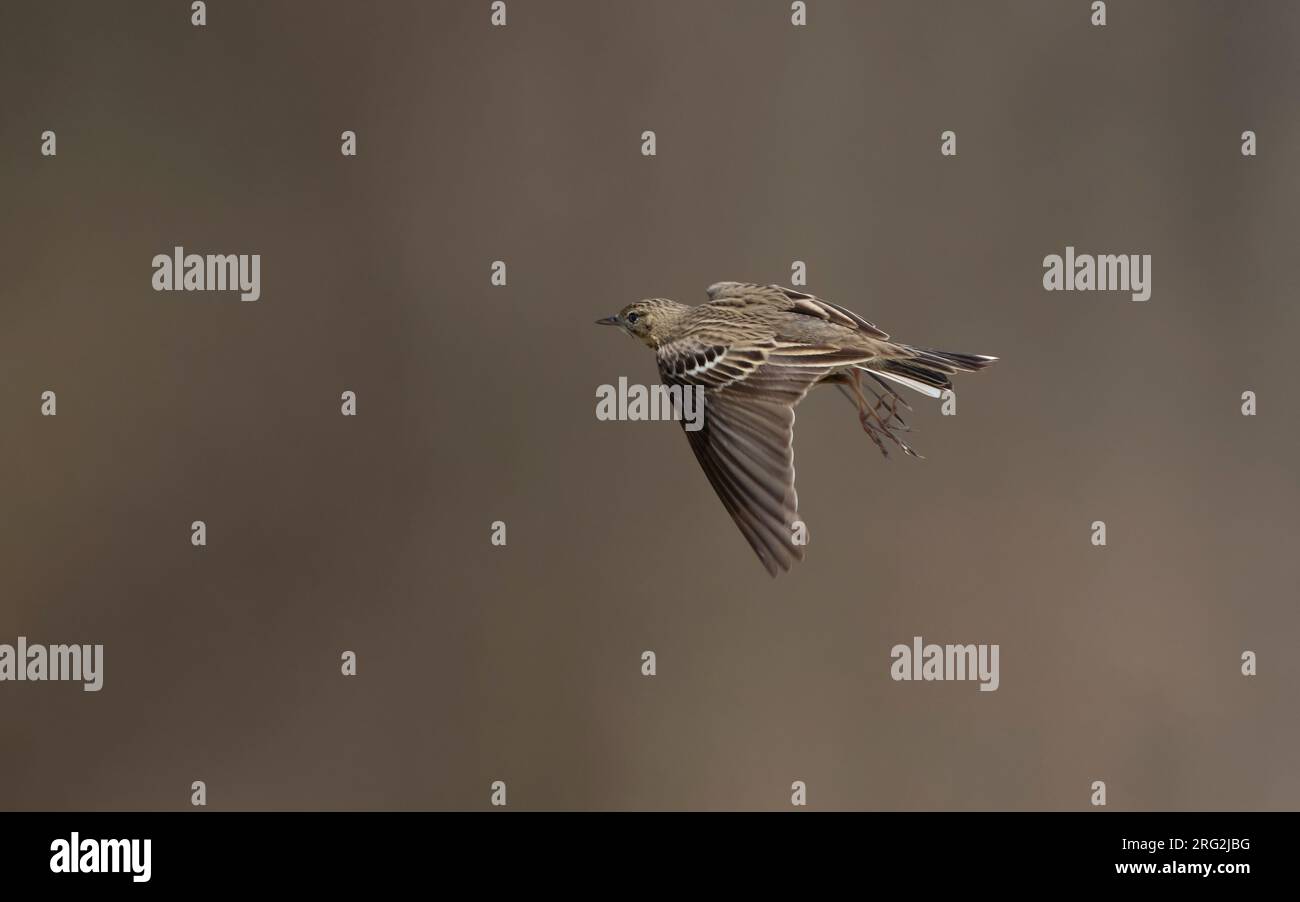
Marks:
<point>756,350</point>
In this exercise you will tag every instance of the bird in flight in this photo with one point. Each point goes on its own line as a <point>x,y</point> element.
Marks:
<point>756,351</point>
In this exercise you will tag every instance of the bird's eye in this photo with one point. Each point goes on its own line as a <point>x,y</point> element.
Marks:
<point>633,317</point>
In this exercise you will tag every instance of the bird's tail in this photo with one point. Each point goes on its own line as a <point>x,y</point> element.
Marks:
<point>927,370</point>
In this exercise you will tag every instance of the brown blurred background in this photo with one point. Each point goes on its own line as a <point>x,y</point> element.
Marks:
<point>476,403</point>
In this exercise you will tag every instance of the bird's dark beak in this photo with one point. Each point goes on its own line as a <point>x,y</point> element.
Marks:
<point>608,321</point>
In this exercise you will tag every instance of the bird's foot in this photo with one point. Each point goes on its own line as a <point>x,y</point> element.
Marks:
<point>882,421</point>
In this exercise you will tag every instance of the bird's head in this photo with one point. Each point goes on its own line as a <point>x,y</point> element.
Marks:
<point>650,320</point>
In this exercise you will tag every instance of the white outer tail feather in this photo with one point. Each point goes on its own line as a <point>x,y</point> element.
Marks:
<point>924,389</point>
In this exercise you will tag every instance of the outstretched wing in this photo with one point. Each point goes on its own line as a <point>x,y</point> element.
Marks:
<point>744,293</point>
<point>746,443</point>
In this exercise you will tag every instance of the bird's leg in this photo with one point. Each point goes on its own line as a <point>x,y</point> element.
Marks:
<point>841,382</point>
<point>870,415</point>
<point>891,399</point>
<point>851,384</point>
